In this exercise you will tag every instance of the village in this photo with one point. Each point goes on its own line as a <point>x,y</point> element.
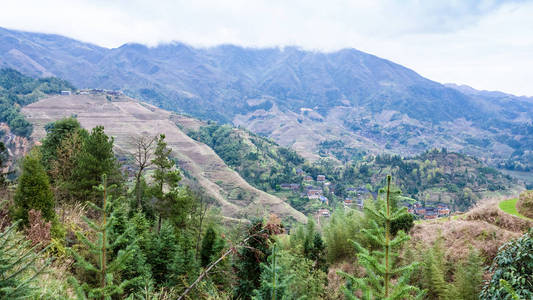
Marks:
<point>314,189</point>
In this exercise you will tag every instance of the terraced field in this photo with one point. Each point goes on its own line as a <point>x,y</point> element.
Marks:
<point>123,118</point>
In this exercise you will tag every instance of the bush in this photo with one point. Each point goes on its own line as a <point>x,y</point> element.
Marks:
<point>513,264</point>
<point>525,204</point>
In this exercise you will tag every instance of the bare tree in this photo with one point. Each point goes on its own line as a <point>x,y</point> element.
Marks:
<point>143,153</point>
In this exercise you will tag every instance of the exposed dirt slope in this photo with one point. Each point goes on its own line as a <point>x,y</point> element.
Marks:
<point>124,117</point>
<point>485,228</point>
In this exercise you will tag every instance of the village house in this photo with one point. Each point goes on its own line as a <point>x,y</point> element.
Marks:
<point>300,171</point>
<point>314,194</point>
<point>308,178</point>
<point>66,93</point>
<point>420,211</point>
<point>430,213</point>
<point>443,210</point>
<point>321,178</point>
<point>285,186</point>
<point>348,202</point>
<point>324,200</point>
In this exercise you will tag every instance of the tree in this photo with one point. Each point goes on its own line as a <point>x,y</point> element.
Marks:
<point>17,265</point>
<point>61,168</point>
<point>164,177</point>
<point>273,284</point>
<point>251,255</point>
<point>512,270</point>
<point>4,155</point>
<point>104,268</point>
<point>208,246</point>
<point>56,132</point>
<point>95,159</point>
<point>33,190</point>
<point>468,278</point>
<point>380,264</point>
<point>314,248</point>
<point>143,153</point>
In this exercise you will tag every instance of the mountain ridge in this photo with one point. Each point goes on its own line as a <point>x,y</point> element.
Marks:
<point>366,101</point>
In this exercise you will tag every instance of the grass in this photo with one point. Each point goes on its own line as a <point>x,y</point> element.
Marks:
<point>509,206</point>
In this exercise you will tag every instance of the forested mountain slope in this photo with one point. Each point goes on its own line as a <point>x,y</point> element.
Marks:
<point>123,118</point>
<point>436,176</point>
<point>299,98</point>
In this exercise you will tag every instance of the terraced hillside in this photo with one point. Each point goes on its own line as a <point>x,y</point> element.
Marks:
<point>124,118</point>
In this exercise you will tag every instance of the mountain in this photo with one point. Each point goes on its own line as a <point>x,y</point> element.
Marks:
<point>125,118</point>
<point>299,98</point>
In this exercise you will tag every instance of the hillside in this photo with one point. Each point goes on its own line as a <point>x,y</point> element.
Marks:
<point>436,176</point>
<point>124,118</point>
<point>299,98</point>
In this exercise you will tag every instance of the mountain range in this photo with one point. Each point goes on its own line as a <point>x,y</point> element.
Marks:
<point>299,98</point>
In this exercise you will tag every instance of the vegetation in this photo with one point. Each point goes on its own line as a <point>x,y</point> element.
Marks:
<point>104,268</point>
<point>380,264</point>
<point>509,206</point>
<point>512,271</point>
<point>17,90</point>
<point>17,265</point>
<point>433,176</point>
<point>258,160</point>
<point>146,235</point>
<point>525,204</point>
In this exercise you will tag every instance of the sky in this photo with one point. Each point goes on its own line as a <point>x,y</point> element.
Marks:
<point>486,44</point>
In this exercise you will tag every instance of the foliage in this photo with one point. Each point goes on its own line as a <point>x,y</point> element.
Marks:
<point>525,204</point>
<point>251,255</point>
<point>274,284</point>
<point>17,90</point>
<point>212,245</point>
<point>165,177</point>
<point>38,231</point>
<point>260,161</point>
<point>468,278</point>
<point>380,264</point>
<point>514,265</point>
<point>33,190</point>
<point>104,269</point>
<point>17,265</point>
<point>56,133</point>
<point>4,156</point>
<point>342,227</point>
<point>95,158</point>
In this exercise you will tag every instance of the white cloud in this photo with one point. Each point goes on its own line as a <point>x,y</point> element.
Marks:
<point>487,44</point>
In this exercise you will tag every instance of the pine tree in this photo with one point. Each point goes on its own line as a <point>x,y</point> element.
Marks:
<point>251,256</point>
<point>380,264</point>
<point>273,284</point>
<point>95,159</point>
<point>105,269</point>
<point>162,249</point>
<point>164,178</point>
<point>208,246</point>
<point>468,278</point>
<point>434,270</point>
<point>184,267</point>
<point>131,233</point>
<point>17,265</point>
<point>33,190</point>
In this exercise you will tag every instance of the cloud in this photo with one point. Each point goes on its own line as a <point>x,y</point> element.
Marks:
<point>486,44</point>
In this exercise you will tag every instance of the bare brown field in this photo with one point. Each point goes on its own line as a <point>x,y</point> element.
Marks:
<point>123,118</point>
